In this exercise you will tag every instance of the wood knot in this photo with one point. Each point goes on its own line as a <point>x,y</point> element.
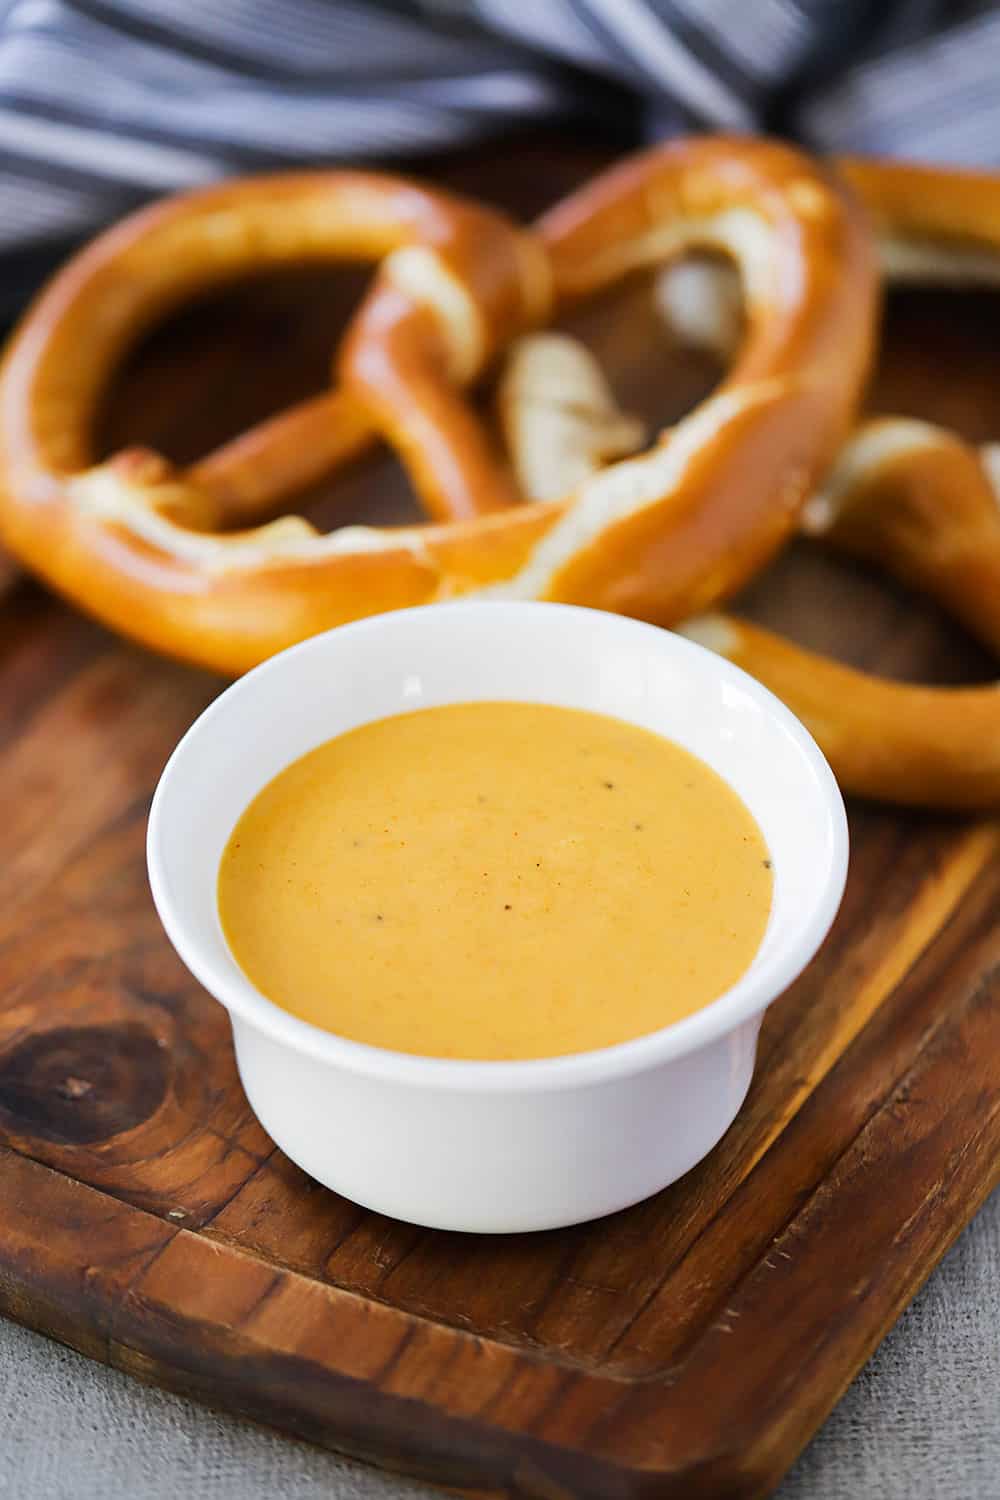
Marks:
<point>81,1084</point>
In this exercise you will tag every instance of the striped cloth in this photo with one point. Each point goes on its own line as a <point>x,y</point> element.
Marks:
<point>104,103</point>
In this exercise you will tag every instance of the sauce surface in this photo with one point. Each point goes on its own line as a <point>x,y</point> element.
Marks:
<point>495,881</point>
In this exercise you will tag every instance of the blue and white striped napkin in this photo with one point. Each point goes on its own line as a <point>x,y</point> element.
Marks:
<point>104,103</point>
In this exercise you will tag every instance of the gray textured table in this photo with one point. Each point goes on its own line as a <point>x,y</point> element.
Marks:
<point>922,1421</point>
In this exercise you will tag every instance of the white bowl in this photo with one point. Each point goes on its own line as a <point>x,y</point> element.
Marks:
<point>498,1146</point>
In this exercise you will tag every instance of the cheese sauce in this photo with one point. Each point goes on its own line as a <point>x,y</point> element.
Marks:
<point>495,881</point>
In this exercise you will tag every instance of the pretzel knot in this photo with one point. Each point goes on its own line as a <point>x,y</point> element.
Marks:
<point>153,553</point>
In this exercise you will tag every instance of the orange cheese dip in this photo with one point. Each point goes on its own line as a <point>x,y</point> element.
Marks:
<point>495,881</point>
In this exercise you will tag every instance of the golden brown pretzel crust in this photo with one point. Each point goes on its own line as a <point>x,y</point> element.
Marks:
<point>671,531</point>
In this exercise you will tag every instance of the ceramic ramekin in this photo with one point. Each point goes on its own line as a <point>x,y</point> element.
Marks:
<point>498,1146</point>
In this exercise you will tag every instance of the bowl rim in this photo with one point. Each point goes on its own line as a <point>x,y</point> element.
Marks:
<point>751,994</point>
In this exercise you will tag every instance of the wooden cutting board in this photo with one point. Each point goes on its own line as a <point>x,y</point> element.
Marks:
<point>687,1347</point>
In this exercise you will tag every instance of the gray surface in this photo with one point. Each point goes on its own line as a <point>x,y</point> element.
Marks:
<point>922,1421</point>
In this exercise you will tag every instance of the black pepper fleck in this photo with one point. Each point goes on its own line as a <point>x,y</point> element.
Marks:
<point>767,864</point>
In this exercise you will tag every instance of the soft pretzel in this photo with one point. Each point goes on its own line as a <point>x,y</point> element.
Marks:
<point>661,535</point>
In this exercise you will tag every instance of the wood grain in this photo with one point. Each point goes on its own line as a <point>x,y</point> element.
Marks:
<point>689,1346</point>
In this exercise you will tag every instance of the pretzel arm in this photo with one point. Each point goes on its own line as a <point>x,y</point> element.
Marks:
<point>393,364</point>
<point>898,742</point>
<point>250,477</point>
